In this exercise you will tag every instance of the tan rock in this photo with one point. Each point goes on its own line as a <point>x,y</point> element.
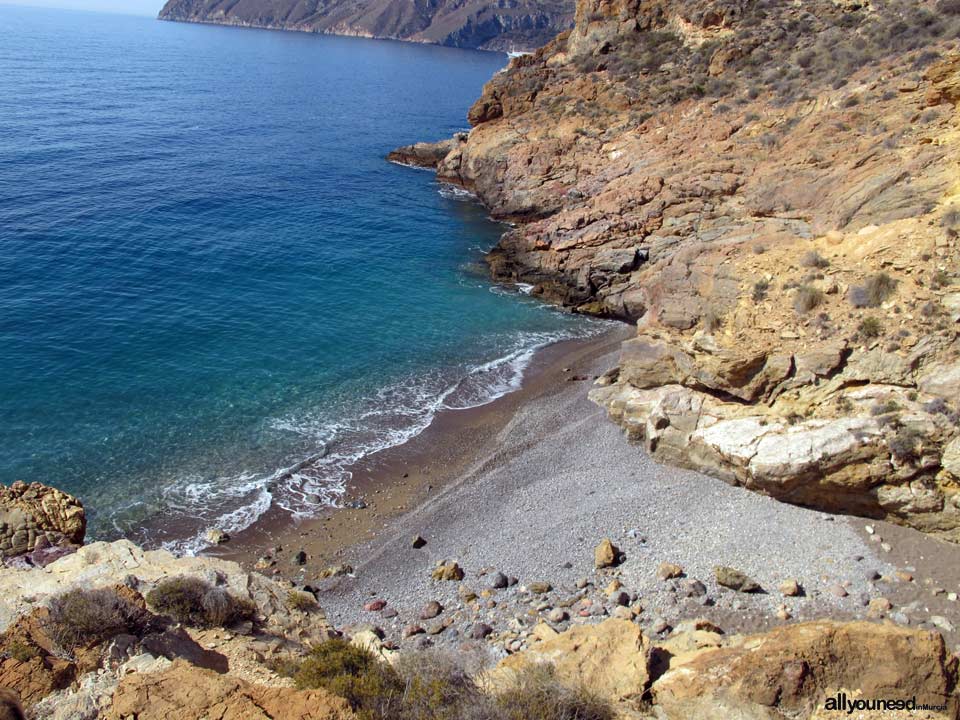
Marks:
<point>37,514</point>
<point>606,554</point>
<point>790,588</point>
<point>668,571</point>
<point>189,693</point>
<point>610,658</point>
<point>788,670</point>
<point>447,570</point>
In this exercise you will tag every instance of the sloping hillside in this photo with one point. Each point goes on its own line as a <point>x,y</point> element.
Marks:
<point>485,24</point>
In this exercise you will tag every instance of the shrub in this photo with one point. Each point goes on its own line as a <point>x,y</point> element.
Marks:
<point>192,601</point>
<point>712,320</point>
<point>301,600</point>
<point>21,651</point>
<point>874,291</point>
<point>537,694</point>
<point>806,299</point>
<point>870,327</point>
<point>905,445</point>
<point>890,406</point>
<point>373,688</point>
<point>814,259</point>
<point>941,278</point>
<point>937,406</point>
<point>760,289</point>
<point>85,617</point>
<point>439,687</point>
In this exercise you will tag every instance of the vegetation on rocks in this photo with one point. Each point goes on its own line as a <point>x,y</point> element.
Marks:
<point>193,601</point>
<point>85,617</point>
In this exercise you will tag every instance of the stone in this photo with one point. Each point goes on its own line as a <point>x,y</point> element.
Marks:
<point>606,554</point>
<point>557,615</point>
<point>447,571</point>
<point>620,598</point>
<point>336,571</point>
<point>693,588</point>
<point>411,630</point>
<point>430,610</point>
<point>609,658</point>
<point>790,588</point>
<point>498,581</point>
<point>216,536</point>
<point>837,590</point>
<point>375,605</point>
<point>479,631</point>
<point>300,557</point>
<point>668,571</point>
<point>735,580</point>
<point>539,587</point>
<point>418,542</point>
<point>942,623</point>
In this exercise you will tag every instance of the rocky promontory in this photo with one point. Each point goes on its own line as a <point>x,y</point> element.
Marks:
<point>516,25</point>
<point>768,191</point>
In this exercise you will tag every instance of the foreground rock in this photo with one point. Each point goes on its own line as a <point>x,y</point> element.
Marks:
<point>39,518</point>
<point>700,674</point>
<point>184,692</point>
<point>792,274</point>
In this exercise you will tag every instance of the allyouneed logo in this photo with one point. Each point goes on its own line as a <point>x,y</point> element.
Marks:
<point>843,703</point>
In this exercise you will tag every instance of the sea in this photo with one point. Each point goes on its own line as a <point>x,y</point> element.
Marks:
<point>216,295</point>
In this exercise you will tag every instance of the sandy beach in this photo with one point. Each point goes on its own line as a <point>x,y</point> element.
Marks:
<point>528,485</point>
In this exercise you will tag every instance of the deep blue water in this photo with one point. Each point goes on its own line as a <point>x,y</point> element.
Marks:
<point>208,272</point>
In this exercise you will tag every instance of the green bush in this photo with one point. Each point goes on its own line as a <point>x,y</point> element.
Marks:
<point>192,601</point>
<point>21,651</point>
<point>870,327</point>
<point>373,688</point>
<point>85,617</point>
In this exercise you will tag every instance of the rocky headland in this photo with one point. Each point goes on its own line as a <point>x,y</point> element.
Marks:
<point>768,191</point>
<point>517,25</point>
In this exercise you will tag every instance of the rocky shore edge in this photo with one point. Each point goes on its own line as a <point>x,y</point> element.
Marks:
<point>788,252</point>
<point>155,662</point>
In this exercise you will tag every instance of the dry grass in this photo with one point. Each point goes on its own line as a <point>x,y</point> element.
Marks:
<point>192,601</point>
<point>81,618</point>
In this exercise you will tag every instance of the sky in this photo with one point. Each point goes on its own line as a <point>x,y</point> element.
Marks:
<point>129,7</point>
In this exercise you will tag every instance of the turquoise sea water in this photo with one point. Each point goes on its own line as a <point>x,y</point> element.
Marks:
<point>208,272</point>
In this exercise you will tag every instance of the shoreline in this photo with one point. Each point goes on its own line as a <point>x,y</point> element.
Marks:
<point>528,485</point>
<point>399,479</point>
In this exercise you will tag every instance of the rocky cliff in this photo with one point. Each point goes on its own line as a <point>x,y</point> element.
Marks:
<point>768,190</point>
<point>505,25</point>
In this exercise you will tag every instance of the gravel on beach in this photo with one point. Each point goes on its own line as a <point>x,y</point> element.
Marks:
<point>559,479</point>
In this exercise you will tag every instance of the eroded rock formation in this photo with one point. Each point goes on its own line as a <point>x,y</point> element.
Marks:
<point>769,191</point>
<point>39,518</point>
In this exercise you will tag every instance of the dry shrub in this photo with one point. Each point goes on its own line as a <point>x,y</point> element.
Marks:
<point>193,601</point>
<point>814,259</point>
<point>85,617</point>
<point>874,291</point>
<point>537,694</point>
<point>807,298</point>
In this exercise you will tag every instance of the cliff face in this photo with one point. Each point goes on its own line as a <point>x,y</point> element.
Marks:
<point>767,189</point>
<point>484,24</point>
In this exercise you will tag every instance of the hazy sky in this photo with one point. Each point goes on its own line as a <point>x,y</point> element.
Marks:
<point>130,7</point>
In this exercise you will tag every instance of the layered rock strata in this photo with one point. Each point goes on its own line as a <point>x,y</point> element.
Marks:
<point>768,190</point>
